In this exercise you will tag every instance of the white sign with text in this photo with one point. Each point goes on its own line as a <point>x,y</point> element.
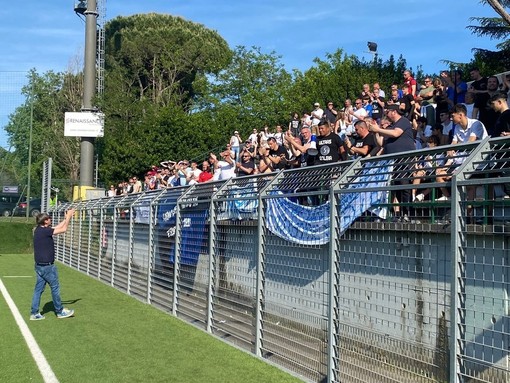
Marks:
<point>84,124</point>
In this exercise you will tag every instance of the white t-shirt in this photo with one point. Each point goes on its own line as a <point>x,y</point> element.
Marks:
<point>234,141</point>
<point>279,138</point>
<point>316,115</point>
<point>224,171</point>
<point>474,128</point>
<point>196,174</point>
<point>359,114</point>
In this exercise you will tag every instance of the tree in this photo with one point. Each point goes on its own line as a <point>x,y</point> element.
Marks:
<point>157,57</point>
<point>48,97</point>
<point>495,28</point>
<point>341,76</point>
<point>248,93</point>
<point>157,66</point>
<point>7,168</point>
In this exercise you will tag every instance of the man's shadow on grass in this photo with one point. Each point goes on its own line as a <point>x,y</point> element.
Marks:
<point>48,307</point>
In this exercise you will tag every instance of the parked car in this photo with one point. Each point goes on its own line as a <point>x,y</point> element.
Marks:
<point>8,203</point>
<point>35,208</point>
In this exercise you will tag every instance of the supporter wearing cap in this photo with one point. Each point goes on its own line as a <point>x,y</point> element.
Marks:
<point>235,144</point>
<point>330,113</point>
<point>316,116</point>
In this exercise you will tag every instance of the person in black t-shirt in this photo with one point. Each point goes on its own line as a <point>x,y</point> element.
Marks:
<point>329,144</point>
<point>330,113</point>
<point>486,114</point>
<point>502,129</point>
<point>45,268</point>
<point>479,83</point>
<point>245,166</point>
<point>377,106</point>
<point>364,144</point>
<point>499,104</point>
<point>295,124</point>
<point>398,137</point>
<point>406,102</point>
<point>273,158</point>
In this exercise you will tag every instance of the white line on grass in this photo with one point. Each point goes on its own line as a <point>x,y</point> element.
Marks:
<point>46,371</point>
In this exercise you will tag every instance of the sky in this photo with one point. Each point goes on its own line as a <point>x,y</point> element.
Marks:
<point>49,35</point>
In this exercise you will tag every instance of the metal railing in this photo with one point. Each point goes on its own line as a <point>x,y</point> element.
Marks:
<point>335,273</point>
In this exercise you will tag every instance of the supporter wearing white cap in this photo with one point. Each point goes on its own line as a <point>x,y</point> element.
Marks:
<point>316,116</point>
<point>235,144</point>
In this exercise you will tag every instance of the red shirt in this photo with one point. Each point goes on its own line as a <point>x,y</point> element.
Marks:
<point>409,83</point>
<point>204,176</point>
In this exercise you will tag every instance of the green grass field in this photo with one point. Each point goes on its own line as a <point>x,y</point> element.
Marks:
<point>113,337</point>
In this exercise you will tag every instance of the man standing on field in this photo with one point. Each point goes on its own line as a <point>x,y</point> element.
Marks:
<point>45,268</point>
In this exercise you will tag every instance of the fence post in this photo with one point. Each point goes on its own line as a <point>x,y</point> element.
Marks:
<point>212,267</point>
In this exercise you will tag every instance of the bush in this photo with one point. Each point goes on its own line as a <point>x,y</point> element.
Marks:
<point>16,236</point>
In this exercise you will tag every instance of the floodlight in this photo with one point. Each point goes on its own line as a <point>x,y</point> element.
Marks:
<point>81,7</point>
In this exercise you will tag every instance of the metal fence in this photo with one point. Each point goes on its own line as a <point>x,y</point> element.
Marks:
<point>337,273</point>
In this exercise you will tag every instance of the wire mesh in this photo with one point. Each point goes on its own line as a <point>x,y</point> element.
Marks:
<point>162,274</point>
<point>192,253</point>
<point>332,272</point>
<point>482,266</point>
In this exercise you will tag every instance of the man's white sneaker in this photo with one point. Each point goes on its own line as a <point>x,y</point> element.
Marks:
<point>443,198</point>
<point>420,197</point>
<point>65,313</point>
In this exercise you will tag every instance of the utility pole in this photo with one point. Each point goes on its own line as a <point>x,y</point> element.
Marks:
<point>89,88</point>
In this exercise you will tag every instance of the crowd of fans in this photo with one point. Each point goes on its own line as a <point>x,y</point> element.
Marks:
<point>408,116</point>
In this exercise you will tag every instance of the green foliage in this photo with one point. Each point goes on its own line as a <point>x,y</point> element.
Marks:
<point>158,57</point>
<point>156,67</point>
<point>248,93</point>
<point>40,120</point>
<point>497,28</point>
<point>16,236</point>
<point>339,77</point>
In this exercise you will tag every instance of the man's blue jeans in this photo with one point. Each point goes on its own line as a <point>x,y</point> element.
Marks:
<point>46,274</point>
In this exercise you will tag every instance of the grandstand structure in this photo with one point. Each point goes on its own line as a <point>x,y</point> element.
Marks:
<point>332,291</point>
